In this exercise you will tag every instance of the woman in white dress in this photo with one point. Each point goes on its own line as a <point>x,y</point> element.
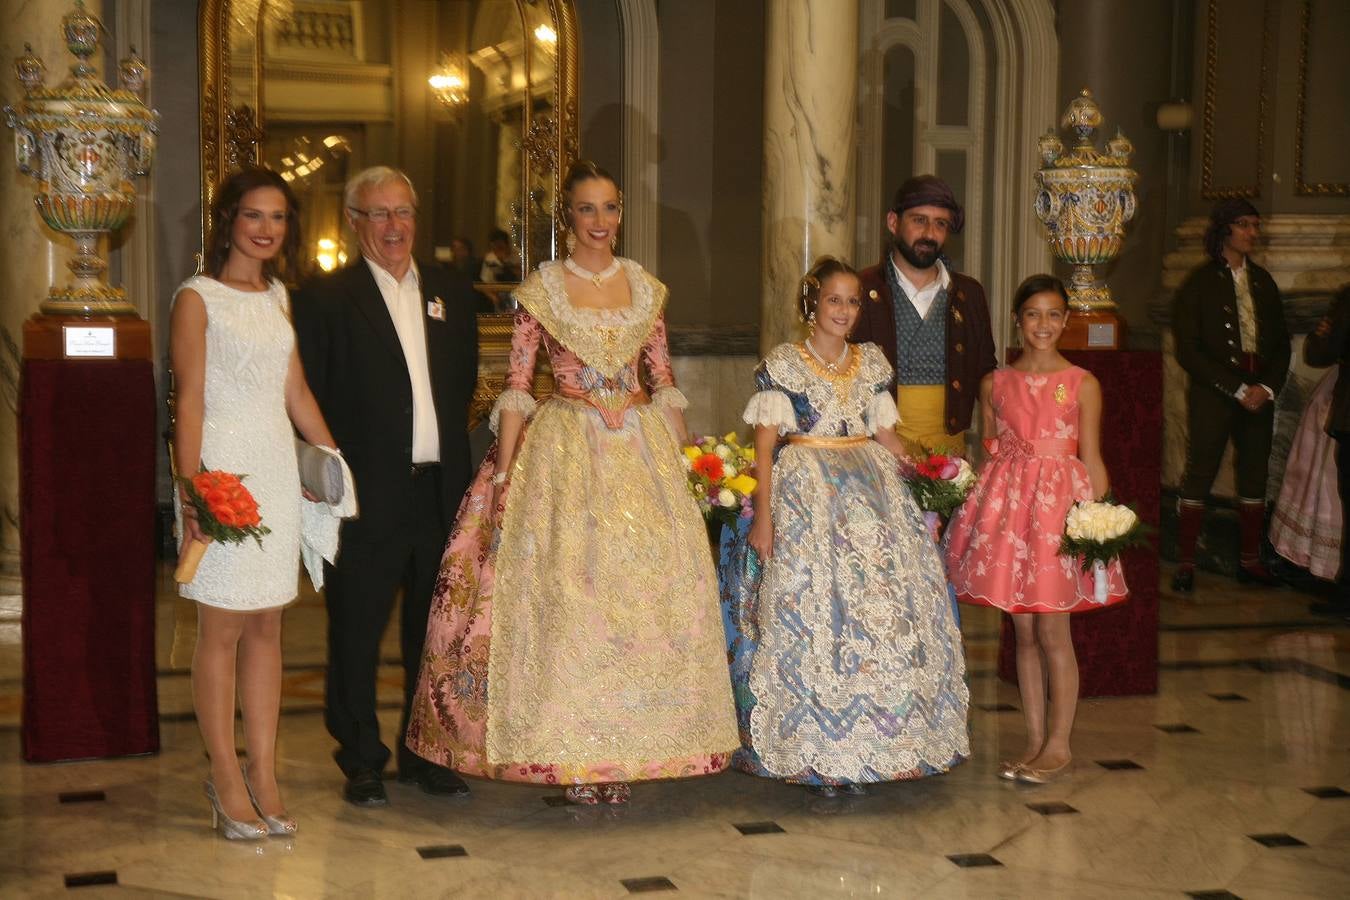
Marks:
<point>239,386</point>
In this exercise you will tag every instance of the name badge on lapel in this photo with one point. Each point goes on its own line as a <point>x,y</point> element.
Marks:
<point>436,309</point>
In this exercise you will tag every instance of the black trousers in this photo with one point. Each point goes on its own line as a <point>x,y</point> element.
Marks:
<point>1212,419</point>
<point>373,564</point>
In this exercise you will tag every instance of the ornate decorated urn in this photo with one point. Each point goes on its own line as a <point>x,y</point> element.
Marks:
<point>1084,198</point>
<point>82,142</point>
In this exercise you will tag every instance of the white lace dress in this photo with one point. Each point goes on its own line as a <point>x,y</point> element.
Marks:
<point>845,650</point>
<point>246,431</point>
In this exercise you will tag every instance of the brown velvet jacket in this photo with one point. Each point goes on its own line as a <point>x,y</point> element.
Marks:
<point>970,340</point>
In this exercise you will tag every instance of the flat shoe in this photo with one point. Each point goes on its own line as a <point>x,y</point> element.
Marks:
<point>435,780</point>
<point>1008,770</point>
<point>1043,776</point>
<point>365,788</point>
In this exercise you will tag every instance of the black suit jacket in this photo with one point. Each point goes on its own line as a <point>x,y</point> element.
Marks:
<point>1333,346</point>
<point>355,366</point>
<point>970,339</point>
<point>1205,326</point>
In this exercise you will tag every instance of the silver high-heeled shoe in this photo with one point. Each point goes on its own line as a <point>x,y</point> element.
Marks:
<point>232,829</point>
<point>279,825</point>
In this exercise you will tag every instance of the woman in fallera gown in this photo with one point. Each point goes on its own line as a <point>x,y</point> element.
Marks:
<point>846,653</point>
<point>574,636</point>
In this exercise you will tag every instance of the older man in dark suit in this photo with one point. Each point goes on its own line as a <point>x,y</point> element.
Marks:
<point>930,322</point>
<point>390,348</point>
<point>1228,322</point>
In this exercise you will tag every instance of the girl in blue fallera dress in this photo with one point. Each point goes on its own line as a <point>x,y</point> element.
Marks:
<point>846,657</point>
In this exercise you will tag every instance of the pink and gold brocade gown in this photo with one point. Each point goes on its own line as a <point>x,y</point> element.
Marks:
<point>585,644</point>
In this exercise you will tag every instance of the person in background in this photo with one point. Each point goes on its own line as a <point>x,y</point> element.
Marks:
<point>930,322</point>
<point>1228,325</point>
<point>501,263</point>
<point>463,260</point>
<point>1327,345</point>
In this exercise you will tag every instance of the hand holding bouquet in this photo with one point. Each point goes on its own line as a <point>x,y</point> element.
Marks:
<point>1098,531</point>
<point>721,477</point>
<point>225,511</point>
<point>939,482</point>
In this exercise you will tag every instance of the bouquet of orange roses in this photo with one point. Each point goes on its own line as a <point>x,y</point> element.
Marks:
<point>226,511</point>
<point>721,477</point>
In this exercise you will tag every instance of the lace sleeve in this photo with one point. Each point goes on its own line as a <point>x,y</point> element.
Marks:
<point>881,412</point>
<point>525,338</point>
<point>771,409</point>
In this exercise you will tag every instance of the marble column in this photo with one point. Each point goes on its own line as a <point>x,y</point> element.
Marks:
<point>32,256</point>
<point>810,114</point>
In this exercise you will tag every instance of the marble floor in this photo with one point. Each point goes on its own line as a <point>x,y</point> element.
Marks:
<point>1249,799</point>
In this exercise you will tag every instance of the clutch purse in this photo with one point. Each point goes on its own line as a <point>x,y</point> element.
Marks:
<point>320,472</point>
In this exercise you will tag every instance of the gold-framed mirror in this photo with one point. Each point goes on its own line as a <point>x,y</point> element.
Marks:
<point>319,88</point>
<point>476,100</point>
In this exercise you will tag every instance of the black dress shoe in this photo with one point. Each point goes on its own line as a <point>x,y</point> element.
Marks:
<point>435,780</point>
<point>1183,580</point>
<point>365,788</point>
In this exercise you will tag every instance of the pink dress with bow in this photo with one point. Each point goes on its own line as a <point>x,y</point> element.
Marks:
<point>1002,545</point>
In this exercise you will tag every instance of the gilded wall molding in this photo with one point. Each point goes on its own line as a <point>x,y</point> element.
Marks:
<point>1303,187</point>
<point>1208,189</point>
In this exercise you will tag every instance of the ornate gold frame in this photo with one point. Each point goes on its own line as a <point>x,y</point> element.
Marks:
<point>232,127</point>
<point>1301,187</point>
<point>1208,190</point>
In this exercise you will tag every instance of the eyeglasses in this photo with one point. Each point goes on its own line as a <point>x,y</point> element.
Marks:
<point>382,215</point>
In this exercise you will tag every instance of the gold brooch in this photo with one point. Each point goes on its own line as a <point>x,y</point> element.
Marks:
<point>1061,393</point>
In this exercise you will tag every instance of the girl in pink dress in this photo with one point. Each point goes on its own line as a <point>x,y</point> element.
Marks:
<point>1002,545</point>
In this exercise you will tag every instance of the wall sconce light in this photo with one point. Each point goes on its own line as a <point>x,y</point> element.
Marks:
<point>329,256</point>
<point>1175,116</point>
<point>450,84</point>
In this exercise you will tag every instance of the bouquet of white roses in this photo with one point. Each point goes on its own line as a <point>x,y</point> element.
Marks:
<point>1098,531</point>
<point>721,477</point>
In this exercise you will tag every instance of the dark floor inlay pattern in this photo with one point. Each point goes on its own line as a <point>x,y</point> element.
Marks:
<point>557,800</point>
<point>647,885</point>
<point>1277,840</point>
<point>441,851</point>
<point>1054,808</point>
<point>758,827</point>
<point>1118,765</point>
<point>1326,793</point>
<point>1229,698</point>
<point>81,796</point>
<point>973,860</point>
<point>1177,728</point>
<point>997,707</point>
<point>89,879</point>
<point>1213,895</point>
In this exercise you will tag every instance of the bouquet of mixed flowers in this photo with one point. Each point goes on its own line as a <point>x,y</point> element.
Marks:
<point>1098,531</point>
<point>939,482</point>
<point>721,477</point>
<point>226,511</point>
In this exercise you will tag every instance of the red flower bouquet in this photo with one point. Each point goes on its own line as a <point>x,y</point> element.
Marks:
<point>226,511</point>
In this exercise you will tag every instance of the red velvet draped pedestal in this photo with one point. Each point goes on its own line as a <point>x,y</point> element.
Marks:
<point>87,502</point>
<point>1117,647</point>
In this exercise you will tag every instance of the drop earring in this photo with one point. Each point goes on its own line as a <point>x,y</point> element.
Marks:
<point>570,241</point>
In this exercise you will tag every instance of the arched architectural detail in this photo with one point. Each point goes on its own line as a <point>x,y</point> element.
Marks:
<point>1018,45</point>
<point>641,114</point>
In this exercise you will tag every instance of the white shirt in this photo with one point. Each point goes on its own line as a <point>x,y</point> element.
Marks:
<point>404,300</point>
<point>922,299</point>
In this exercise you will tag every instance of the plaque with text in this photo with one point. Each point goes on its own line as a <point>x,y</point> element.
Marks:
<point>89,341</point>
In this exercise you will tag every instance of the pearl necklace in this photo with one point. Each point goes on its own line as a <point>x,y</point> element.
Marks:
<point>829,366</point>
<point>595,278</point>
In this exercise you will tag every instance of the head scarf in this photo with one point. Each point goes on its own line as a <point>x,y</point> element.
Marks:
<point>929,190</point>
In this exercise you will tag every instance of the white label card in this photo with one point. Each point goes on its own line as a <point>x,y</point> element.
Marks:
<point>90,341</point>
<point>1101,334</point>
